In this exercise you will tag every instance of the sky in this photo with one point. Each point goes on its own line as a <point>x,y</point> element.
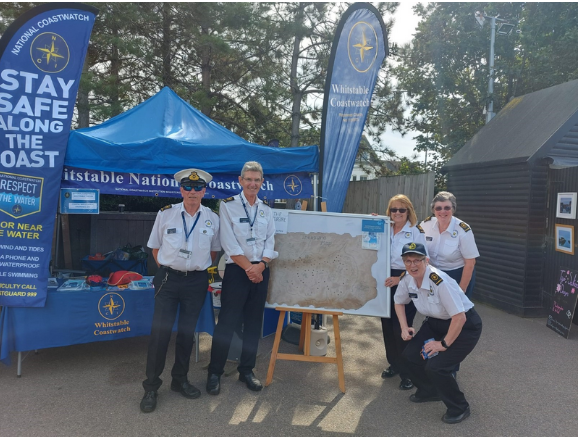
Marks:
<point>404,26</point>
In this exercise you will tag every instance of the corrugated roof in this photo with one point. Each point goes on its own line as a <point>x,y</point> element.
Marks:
<point>521,128</point>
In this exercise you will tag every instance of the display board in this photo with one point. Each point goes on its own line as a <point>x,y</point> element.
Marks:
<point>331,261</point>
<point>564,303</point>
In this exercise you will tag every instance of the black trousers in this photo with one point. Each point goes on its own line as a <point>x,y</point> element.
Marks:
<point>243,300</point>
<point>186,293</point>
<point>392,332</point>
<point>434,376</point>
<point>457,276</point>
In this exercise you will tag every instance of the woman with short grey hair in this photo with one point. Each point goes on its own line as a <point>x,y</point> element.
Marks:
<point>450,242</point>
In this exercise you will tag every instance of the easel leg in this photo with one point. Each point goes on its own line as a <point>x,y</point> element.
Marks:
<point>341,379</point>
<point>308,333</point>
<point>276,342</point>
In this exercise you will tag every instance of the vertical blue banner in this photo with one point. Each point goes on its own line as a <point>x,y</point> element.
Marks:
<point>359,48</point>
<point>42,55</point>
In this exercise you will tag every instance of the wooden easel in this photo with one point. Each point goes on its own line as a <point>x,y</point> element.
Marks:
<point>305,336</point>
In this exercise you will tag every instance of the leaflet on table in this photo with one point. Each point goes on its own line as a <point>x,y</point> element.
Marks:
<point>74,285</point>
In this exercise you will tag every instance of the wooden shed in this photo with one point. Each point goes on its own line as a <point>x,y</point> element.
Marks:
<point>506,180</point>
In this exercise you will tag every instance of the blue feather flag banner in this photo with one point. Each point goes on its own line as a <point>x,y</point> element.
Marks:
<point>41,59</point>
<point>359,49</point>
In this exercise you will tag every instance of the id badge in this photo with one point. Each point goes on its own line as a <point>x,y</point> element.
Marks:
<point>185,254</point>
<point>250,241</point>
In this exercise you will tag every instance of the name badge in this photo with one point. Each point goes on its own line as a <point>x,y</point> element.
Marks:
<point>170,231</point>
<point>185,254</point>
<point>413,295</point>
<point>429,238</point>
<point>243,220</point>
<point>250,241</point>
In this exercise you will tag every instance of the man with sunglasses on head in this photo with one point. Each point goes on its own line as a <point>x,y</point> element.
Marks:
<point>185,241</point>
<point>247,235</point>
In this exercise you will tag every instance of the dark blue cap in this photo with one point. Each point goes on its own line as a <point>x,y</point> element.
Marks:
<point>413,247</point>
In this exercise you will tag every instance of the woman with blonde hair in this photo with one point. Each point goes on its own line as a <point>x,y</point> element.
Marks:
<point>404,229</point>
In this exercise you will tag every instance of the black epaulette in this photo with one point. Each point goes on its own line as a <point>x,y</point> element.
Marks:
<point>168,206</point>
<point>402,274</point>
<point>227,200</point>
<point>435,278</point>
<point>464,226</point>
<point>266,202</point>
<point>420,228</point>
<point>428,218</point>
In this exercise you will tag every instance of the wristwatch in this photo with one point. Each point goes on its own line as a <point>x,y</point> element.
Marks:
<point>443,343</point>
<point>264,263</point>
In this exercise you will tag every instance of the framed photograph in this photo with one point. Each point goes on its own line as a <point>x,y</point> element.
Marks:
<point>564,239</point>
<point>567,205</point>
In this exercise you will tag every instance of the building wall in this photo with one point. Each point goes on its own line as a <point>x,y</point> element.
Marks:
<point>560,180</point>
<point>495,202</point>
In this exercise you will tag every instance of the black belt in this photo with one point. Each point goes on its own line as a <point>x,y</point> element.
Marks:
<point>182,273</point>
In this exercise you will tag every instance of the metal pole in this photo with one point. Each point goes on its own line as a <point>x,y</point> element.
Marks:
<point>490,113</point>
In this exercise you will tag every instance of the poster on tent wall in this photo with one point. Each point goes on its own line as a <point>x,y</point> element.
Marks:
<point>42,55</point>
<point>359,48</point>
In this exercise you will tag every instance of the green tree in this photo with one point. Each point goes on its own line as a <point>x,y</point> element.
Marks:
<point>445,68</point>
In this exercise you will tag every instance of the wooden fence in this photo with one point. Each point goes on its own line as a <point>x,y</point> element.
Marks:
<point>373,195</point>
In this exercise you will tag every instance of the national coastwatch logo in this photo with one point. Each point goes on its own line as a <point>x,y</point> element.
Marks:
<point>49,52</point>
<point>111,306</point>
<point>293,185</point>
<point>362,46</point>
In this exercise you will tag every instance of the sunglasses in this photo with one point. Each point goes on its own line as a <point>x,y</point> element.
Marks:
<point>189,187</point>
<point>401,210</point>
<point>439,208</point>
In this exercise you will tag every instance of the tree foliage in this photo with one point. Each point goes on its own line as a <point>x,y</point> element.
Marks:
<point>445,68</point>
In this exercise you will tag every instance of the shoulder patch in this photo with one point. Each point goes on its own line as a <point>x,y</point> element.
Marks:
<point>427,218</point>
<point>402,274</point>
<point>435,278</point>
<point>227,200</point>
<point>266,202</point>
<point>168,206</point>
<point>464,226</point>
<point>420,228</point>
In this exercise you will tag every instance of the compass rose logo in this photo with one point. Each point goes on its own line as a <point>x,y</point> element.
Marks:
<point>293,185</point>
<point>362,46</point>
<point>49,52</point>
<point>111,306</point>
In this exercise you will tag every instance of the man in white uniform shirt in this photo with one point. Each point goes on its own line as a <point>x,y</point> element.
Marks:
<point>449,333</point>
<point>247,236</point>
<point>185,240</point>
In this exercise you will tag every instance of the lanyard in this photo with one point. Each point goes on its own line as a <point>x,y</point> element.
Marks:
<point>251,223</point>
<point>187,235</point>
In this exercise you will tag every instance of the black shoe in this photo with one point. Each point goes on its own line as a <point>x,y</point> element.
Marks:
<point>456,419</point>
<point>186,389</point>
<point>213,385</point>
<point>389,373</point>
<point>149,402</point>
<point>251,381</point>
<point>406,384</point>
<point>415,398</point>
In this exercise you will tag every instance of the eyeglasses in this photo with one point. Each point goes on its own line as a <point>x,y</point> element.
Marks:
<point>197,187</point>
<point>409,262</point>
<point>439,208</point>
<point>401,210</point>
<point>252,180</point>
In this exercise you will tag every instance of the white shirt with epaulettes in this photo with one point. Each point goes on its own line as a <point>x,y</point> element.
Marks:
<point>168,235</point>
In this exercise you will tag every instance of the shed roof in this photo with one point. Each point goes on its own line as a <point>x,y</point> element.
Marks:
<point>524,129</point>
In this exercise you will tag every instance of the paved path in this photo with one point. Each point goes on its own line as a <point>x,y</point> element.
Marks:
<point>521,380</point>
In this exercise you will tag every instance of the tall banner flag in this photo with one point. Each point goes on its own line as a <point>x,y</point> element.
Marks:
<point>41,58</point>
<point>359,48</point>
